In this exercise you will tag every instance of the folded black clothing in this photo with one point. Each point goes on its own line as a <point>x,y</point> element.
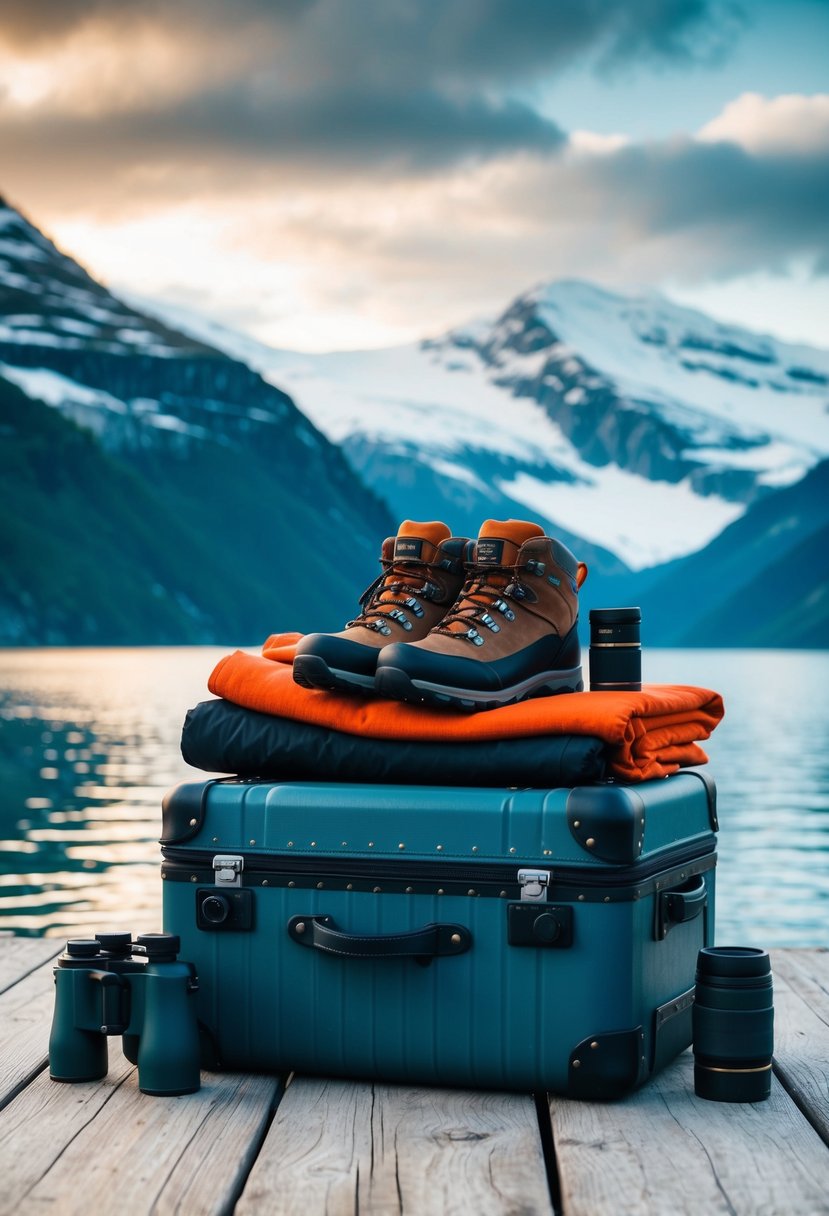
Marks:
<point>221,737</point>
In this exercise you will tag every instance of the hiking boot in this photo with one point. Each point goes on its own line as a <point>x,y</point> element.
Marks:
<point>512,634</point>
<point>422,576</point>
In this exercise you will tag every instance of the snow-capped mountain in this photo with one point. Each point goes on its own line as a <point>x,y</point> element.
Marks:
<point>154,488</point>
<point>643,427</point>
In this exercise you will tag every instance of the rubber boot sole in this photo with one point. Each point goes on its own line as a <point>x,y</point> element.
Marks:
<point>310,671</point>
<point>397,685</point>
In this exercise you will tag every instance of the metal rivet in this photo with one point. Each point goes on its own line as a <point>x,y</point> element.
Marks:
<point>290,844</point>
<point>439,848</point>
<point>265,882</point>
<point>503,894</point>
<point>215,840</point>
<point>343,844</point>
<point>682,875</point>
<point>581,899</point>
<point>471,891</point>
<point>163,873</point>
<point>194,878</point>
<point>440,891</point>
<point>576,823</point>
<point>455,939</point>
<point>349,886</point>
<point>594,1045</point>
<point>548,852</point>
<point>251,842</point>
<point>313,844</point>
<point>474,848</point>
<point>409,890</point>
<point>300,928</point>
<point>194,823</point>
<point>291,884</point>
<point>377,890</point>
<point>371,844</point>
<point>590,842</point>
<point>401,846</point>
<point>607,899</point>
<point>577,1063</point>
<point>320,886</point>
<point>512,850</point>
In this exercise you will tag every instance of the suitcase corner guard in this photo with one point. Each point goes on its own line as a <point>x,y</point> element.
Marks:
<point>432,941</point>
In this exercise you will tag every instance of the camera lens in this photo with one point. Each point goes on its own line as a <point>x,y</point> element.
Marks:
<point>615,650</point>
<point>733,1021</point>
<point>215,909</point>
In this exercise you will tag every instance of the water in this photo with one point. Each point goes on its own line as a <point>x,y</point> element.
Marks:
<point>89,743</point>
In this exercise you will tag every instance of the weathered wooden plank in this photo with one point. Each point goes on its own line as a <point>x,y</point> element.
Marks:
<point>801,1030</point>
<point>105,1147</point>
<point>19,956</point>
<point>339,1147</point>
<point>664,1150</point>
<point>25,1018</point>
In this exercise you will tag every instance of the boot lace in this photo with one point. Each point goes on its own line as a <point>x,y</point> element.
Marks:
<point>485,596</point>
<point>395,592</point>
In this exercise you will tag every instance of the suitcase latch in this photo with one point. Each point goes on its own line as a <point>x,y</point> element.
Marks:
<point>534,884</point>
<point>227,869</point>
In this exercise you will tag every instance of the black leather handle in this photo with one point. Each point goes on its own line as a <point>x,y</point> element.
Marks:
<point>680,905</point>
<point>432,941</point>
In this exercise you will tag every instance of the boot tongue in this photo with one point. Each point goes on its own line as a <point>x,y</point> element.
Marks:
<point>498,544</point>
<point>419,541</point>
<point>499,541</point>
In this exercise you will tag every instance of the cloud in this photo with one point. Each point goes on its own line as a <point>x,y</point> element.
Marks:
<point>789,125</point>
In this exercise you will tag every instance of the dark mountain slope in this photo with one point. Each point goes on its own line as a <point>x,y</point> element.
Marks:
<point>155,490</point>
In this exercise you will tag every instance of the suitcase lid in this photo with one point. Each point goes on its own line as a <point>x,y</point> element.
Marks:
<point>603,824</point>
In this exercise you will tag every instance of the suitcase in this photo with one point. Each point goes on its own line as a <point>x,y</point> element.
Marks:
<point>518,939</point>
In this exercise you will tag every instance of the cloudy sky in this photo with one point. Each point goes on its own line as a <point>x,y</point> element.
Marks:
<point>340,173</point>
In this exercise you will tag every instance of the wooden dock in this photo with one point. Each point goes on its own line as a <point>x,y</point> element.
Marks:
<point>253,1144</point>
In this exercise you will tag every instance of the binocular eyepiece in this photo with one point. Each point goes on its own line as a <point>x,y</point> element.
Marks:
<point>111,985</point>
<point>733,1021</point>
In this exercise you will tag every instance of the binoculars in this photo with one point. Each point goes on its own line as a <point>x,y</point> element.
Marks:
<point>111,985</point>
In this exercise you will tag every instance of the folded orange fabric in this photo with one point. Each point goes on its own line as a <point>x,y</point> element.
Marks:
<point>648,734</point>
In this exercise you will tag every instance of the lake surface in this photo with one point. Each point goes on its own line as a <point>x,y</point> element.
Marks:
<point>89,742</point>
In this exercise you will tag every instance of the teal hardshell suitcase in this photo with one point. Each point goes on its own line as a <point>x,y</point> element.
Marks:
<point>519,939</point>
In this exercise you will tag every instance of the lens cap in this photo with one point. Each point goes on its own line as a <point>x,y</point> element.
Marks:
<point>115,943</point>
<point>161,947</point>
<point>83,947</point>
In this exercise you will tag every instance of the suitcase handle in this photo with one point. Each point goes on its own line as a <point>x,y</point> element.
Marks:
<point>432,941</point>
<point>680,905</point>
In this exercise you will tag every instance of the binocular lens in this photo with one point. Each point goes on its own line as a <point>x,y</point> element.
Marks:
<point>615,650</point>
<point>733,1021</point>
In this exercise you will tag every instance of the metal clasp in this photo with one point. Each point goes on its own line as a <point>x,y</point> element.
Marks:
<point>227,869</point>
<point>534,884</point>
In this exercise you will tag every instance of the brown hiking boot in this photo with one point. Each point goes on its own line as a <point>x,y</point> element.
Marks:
<point>512,634</point>
<point>423,573</point>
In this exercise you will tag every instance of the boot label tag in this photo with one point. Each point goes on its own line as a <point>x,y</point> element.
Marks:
<point>405,546</point>
<point>489,552</point>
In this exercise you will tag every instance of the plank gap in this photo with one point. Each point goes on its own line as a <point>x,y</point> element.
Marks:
<point>13,1093</point>
<point>800,1100</point>
<point>254,1149</point>
<point>548,1148</point>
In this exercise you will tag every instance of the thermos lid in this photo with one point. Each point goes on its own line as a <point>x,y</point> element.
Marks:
<point>614,616</point>
<point>731,962</point>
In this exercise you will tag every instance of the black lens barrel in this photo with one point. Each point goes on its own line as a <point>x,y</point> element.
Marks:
<point>733,1021</point>
<point>615,650</point>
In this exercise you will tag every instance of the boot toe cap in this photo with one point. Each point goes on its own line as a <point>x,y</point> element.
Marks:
<point>339,653</point>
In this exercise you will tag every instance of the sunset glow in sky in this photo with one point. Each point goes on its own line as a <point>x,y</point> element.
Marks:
<point>341,173</point>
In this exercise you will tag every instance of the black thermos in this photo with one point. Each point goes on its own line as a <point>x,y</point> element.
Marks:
<point>615,650</point>
<point>733,1020</point>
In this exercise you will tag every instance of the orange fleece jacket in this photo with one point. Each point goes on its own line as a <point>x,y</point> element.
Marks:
<point>647,734</point>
